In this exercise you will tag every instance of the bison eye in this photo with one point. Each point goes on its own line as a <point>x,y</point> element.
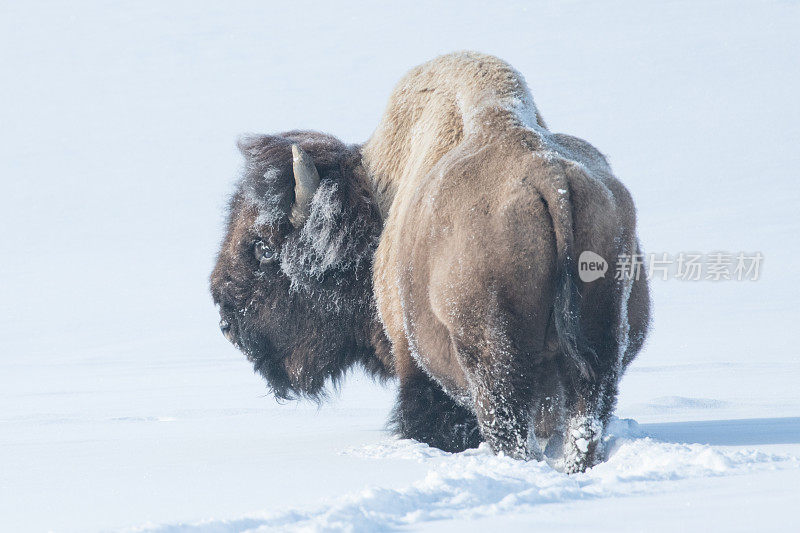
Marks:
<point>264,254</point>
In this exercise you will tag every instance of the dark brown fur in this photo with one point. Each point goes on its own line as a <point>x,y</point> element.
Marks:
<point>310,315</point>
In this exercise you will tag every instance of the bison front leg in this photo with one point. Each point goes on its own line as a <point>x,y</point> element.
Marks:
<point>424,412</point>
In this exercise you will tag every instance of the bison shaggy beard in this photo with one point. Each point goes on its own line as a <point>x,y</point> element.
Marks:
<point>298,300</point>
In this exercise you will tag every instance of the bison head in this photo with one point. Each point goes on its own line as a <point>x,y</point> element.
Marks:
<point>293,276</point>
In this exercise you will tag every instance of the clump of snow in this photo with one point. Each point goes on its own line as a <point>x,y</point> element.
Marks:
<point>582,433</point>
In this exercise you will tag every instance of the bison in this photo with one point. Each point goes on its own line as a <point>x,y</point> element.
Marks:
<point>441,252</point>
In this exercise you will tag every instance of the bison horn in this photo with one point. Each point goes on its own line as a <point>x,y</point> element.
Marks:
<point>306,181</point>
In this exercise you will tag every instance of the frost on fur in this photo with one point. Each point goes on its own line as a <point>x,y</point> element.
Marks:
<point>331,239</point>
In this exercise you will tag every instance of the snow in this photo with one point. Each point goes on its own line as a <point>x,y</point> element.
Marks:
<point>122,406</point>
<point>478,484</point>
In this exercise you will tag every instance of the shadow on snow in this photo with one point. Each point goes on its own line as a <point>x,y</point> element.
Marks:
<point>737,432</point>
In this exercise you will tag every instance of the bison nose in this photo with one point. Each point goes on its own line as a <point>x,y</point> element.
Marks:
<point>225,328</point>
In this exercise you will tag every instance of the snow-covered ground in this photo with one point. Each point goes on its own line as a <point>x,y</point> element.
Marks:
<point>121,405</point>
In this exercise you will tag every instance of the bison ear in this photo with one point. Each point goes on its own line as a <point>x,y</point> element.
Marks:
<point>306,181</point>
<point>250,145</point>
<point>259,146</point>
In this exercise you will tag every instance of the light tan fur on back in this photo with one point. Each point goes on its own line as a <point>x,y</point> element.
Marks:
<point>429,111</point>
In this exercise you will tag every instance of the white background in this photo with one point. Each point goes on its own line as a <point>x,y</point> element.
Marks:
<point>121,404</point>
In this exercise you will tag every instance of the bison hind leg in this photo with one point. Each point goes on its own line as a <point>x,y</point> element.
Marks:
<point>505,421</point>
<point>582,443</point>
<point>425,413</point>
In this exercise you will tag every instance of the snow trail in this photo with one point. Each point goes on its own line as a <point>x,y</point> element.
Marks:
<point>476,483</point>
